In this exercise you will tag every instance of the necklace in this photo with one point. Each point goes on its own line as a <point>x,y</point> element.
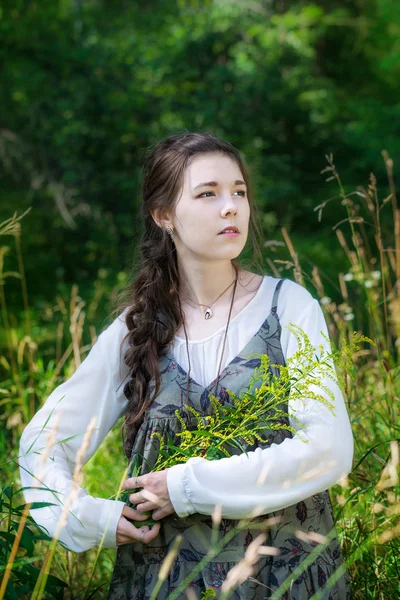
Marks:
<point>223,346</point>
<point>208,313</point>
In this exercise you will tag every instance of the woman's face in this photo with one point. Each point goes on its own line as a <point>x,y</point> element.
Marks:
<point>214,196</point>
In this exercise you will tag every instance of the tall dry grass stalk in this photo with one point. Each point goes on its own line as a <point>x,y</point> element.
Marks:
<point>14,549</point>
<point>51,441</point>
<point>244,569</point>
<point>166,566</point>
<point>76,482</point>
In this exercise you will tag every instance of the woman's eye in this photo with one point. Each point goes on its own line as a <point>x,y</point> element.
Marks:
<point>237,192</point>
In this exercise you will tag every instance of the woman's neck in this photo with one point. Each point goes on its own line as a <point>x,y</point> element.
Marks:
<point>198,327</point>
<point>200,288</point>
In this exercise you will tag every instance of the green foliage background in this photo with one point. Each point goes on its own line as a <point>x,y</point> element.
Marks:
<point>86,86</point>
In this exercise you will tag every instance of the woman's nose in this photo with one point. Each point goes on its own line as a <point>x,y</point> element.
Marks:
<point>229,207</point>
<point>230,211</point>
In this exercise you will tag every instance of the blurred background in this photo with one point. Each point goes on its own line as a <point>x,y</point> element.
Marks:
<point>308,92</point>
<point>87,85</point>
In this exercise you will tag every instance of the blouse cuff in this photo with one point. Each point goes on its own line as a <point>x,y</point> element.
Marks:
<point>177,492</point>
<point>108,522</point>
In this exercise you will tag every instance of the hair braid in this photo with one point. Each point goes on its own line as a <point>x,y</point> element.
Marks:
<point>152,298</point>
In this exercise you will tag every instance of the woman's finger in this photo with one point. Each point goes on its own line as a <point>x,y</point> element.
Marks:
<point>143,495</point>
<point>160,513</point>
<point>136,498</point>
<point>145,507</point>
<point>133,513</point>
<point>128,533</point>
<point>151,534</point>
<point>131,483</point>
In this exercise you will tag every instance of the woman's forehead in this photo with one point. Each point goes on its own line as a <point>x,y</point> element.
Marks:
<point>212,168</point>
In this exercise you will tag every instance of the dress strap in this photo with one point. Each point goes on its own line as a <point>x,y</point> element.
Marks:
<point>276,296</point>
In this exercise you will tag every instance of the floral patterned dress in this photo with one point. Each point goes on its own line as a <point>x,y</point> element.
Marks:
<point>137,566</point>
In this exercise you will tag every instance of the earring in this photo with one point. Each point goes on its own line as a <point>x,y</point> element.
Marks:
<point>170,231</point>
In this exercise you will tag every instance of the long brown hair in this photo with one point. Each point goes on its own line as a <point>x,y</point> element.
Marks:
<point>151,297</point>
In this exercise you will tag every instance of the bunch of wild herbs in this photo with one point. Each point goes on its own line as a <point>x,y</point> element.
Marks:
<point>263,406</point>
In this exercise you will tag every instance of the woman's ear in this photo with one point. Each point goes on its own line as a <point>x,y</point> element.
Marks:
<point>160,219</point>
<point>156,217</point>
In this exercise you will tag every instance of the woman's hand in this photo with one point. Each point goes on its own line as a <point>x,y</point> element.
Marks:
<point>154,496</point>
<point>128,533</point>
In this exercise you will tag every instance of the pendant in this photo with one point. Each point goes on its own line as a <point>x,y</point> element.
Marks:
<point>208,314</point>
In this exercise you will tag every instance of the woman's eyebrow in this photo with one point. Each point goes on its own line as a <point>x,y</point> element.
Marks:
<point>215,184</point>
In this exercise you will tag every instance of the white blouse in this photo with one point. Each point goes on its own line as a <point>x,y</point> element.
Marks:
<point>270,479</point>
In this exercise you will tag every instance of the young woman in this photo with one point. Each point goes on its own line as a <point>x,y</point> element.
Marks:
<point>193,316</point>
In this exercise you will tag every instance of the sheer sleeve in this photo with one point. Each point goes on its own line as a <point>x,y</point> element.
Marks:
<point>293,470</point>
<point>93,390</point>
